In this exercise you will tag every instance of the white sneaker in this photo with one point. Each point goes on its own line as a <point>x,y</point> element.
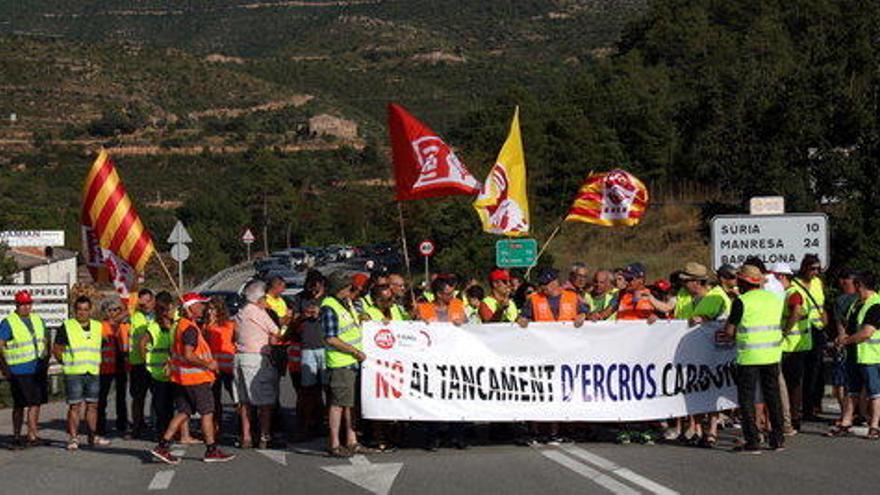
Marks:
<point>99,441</point>
<point>72,444</point>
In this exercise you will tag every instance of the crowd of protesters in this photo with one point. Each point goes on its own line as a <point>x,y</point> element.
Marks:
<point>186,353</point>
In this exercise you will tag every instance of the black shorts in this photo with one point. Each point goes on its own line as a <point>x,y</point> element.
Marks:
<point>139,381</point>
<point>194,399</point>
<point>29,390</point>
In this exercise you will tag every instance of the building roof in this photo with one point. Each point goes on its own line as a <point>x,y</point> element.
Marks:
<point>27,258</point>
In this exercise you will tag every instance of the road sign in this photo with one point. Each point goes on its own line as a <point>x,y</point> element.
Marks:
<point>50,301</point>
<point>179,252</point>
<point>32,238</point>
<point>426,248</point>
<point>767,205</point>
<point>52,313</point>
<point>772,238</point>
<point>516,253</point>
<point>179,234</point>
<point>248,237</point>
<point>48,292</point>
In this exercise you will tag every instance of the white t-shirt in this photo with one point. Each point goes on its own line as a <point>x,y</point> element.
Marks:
<point>772,284</point>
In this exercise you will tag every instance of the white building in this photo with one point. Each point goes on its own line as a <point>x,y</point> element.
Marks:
<point>35,267</point>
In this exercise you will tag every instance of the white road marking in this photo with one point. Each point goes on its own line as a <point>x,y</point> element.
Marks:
<point>277,456</point>
<point>375,478</point>
<point>591,474</point>
<point>161,480</point>
<point>627,474</point>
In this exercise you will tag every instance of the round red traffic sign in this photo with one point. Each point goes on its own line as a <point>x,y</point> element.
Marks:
<point>426,248</point>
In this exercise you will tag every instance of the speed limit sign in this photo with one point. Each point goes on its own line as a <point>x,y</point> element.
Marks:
<point>426,248</point>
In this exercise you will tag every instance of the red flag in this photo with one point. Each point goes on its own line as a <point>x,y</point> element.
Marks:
<point>424,166</point>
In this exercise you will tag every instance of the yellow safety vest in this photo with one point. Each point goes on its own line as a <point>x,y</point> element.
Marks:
<point>510,314</point>
<point>82,354</point>
<point>684,305</point>
<point>139,322</point>
<point>349,332</point>
<point>277,305</point>
<point>800,338</point>
<point>601,303</point>
<point>158,351</point>
<point>817,290</point>
<point>25,346</point>
<point>868,352</point>
<point>376,314</point>
<point>758,335</point>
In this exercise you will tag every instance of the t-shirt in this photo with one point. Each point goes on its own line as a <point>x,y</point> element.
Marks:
<point>190,337</point>
<point>310,332</point>
<point>29,367</point>
<point>736,312</point>
<point>61,334</point>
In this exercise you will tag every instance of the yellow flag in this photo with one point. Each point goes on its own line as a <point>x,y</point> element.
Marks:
<point>502,204</point>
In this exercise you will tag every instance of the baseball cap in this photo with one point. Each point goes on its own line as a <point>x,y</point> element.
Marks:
<point>634,270</point>
<point>23,297</point>
<point>359,280</point>
<point>499,274</point>
<point>191,298</point>
<point>547,276</point>
<point>662,285</point>
<point>727,271</point>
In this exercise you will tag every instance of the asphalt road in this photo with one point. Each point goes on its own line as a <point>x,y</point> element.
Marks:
<point>811,464</point>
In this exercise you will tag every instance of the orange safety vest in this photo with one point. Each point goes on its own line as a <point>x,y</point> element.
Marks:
<point>222,347</point>
<point>568,307</point>
<point>455,311</point>
<point>629,310</point>
<point>182,372</point>
<point>112,342</point>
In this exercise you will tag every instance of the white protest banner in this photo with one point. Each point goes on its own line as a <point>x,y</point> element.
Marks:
<point>606,371</point>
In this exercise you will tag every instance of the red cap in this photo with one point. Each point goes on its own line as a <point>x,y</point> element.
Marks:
<point>663,285</point>
<point>499,274</point>
<point>359,280</point>
<point>23,297</point>
<point>193,298</point>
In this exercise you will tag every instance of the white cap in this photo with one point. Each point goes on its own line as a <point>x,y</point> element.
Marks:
<point>781,269</point>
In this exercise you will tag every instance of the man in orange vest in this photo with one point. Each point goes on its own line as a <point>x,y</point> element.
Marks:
<point>193,369</point>
<point>445,306</point>
<point>114,350</point>
<point>635,302</point>
<point>553,303</point>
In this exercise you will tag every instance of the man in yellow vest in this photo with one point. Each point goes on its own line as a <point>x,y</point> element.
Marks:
<point>810,283</point>
<point>797,340</point>
<point>498,306</point>
<point>342,337</point>
<point>78,348</point>
<point>754,326</point>
<point>384,308</point>
<point>865,319</point>
<point>604,296</point>
<point>23,361</point>
<point>139,377</point>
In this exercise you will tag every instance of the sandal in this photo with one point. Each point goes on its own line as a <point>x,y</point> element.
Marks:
<point>339,452</point>
<point>838,431</point>
<point>873,434</point>
<point>72,445</point>
<point>360,449</point>
<point>708,441</point>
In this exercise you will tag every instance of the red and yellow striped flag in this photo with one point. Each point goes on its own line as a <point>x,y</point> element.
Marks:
<point>110,221</point>
<point>611,198</point>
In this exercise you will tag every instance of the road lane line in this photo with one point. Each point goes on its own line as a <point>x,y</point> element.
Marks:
<point>161,480</point>
<point>591,474</point>
<point>627,474</point>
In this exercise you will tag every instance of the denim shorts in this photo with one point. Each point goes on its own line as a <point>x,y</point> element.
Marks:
<point>82,388</point>
<point>313,368</point>
<point>864,375</point>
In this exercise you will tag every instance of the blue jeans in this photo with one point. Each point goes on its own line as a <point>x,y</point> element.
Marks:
<point>82,388</point>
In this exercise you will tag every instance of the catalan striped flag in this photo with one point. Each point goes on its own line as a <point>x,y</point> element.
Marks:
<point>610,199</point>
<point>109,220</point>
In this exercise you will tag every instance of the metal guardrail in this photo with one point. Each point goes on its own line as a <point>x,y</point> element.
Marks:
<point>224,275</point>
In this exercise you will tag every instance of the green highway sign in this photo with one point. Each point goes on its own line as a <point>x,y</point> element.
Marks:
<point>516,253</point>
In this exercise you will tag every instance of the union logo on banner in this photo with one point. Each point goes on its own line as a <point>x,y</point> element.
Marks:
<point>612,198</point>
<point>439,164</point>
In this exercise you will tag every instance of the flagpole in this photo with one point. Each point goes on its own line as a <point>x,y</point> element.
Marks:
<point>168,274</point>
<point>412,294</point>
<point>547,243</point>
